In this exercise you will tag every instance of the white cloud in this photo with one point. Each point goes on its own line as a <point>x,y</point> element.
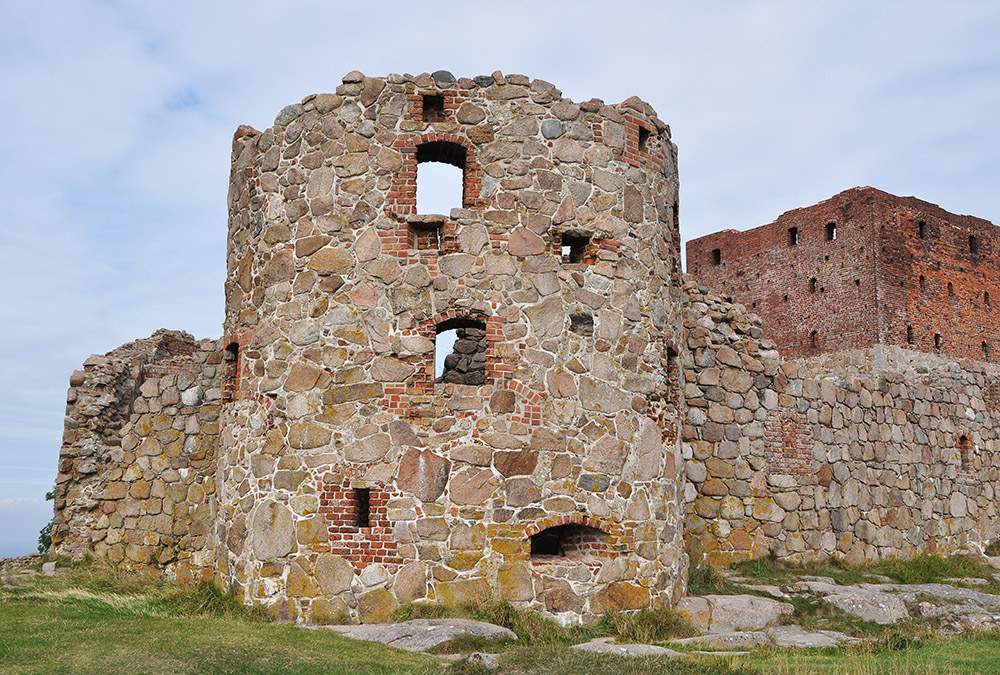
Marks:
<point>119,119</point>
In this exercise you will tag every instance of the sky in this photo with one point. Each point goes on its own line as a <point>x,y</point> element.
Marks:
<point>117,118</point>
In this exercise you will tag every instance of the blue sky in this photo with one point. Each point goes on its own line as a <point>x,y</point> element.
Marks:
<point>117,120</point>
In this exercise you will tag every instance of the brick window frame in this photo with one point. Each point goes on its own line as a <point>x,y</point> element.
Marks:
<point>612,539</point>
<point>360,546</point>
<point>402,201</point>
<point>422,381</point>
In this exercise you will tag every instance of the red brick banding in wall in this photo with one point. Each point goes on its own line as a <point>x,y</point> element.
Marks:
<point>899,271</point>
<point>788,443</point>
<point>361,546</point>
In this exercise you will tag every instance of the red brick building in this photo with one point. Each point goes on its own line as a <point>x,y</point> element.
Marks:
<point>861,268</point>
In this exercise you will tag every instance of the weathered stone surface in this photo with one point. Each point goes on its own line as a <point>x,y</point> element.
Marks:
<point>473,486</point>
<point>732,613</point>
<point>423,474</point>
<point>795,636</point>
<point>608,646</point>
<point>868,605</point>
<point>515,463</point>
<point>333,574</point>
<point>376,606</point>
<point>736,640</point>
<point>420,635</point>
<point>272,531</point>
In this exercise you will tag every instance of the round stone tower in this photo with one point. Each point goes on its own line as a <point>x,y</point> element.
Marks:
<point>541,465</point>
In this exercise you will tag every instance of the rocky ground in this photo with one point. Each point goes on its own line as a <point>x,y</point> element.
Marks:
<point>762,616</point>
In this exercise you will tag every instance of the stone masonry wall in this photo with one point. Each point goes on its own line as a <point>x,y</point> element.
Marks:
<point>350,481</point>
<point>861,454</point>
<point>136,480</point>
<point>863,268</point>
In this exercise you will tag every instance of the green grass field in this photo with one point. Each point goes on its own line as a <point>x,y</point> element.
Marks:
<point>97,619</point>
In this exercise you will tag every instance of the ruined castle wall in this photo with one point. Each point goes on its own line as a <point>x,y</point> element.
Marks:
<point>350,480</point>
<point>862,454</point>
<point>935,283</point>
<point>136,480</point>
<point>764,270</point>
<point>898,271</point>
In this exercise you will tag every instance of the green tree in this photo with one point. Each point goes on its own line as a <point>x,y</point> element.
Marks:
<point>45,534</point>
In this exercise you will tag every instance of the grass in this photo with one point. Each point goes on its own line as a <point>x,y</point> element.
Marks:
<point>921,569</point>
<point>96,618</point>
<point>534,629</point>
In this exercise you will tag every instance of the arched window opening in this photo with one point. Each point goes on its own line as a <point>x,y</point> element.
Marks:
<point>578,541</point>
<point>460,352</point>
<point>831,231</point>
<point>440,177</point>
<point>812,339</point>
<point>231,372</point>
<point>965,451</point>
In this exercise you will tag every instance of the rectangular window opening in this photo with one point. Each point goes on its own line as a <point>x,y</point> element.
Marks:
<point>643,138</point>
<point>362,507</point>
<point>460,347</point>
<point>922,229</point>
<point>717,256</point>
<point>793,236</point>
<point>973,244</point>
<point>433,108</point>
<point>937,340</point>
<point>574,248</point>
<point>909,335</point>
<point>831,231</point>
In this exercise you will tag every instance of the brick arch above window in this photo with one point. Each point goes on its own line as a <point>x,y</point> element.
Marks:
<point>436,147</point>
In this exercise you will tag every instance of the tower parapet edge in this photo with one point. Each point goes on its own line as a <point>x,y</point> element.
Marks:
<point>543,465</point>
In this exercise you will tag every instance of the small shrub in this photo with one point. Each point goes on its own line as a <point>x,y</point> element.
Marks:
<point>648,625</point>
<point>993,548</point>
<point>705,580</point>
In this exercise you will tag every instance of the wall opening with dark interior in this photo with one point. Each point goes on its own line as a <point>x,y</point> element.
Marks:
<point>986,299</point>
<point>433,108</point>
<point>717,256</point>
<point>362,507</point>
<point>831,231</point>
<point>909,335</point>
<point>440,177</point>
<point>937,340</point>
<point>922,229</point>
<point>460,351</point>
<point>965,453</point>
<point>570,540</point>
<point>986,349</point>
<point>231,374</point>
<point>643,138</point>
<point>812,285</point>
<point>793,236</point>
<point>573,247</point>
<point>973,244</point>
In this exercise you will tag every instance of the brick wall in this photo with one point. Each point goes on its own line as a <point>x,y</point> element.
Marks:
<point>881,273</point>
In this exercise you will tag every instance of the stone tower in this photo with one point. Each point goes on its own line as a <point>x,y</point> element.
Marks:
<point>543,464</point>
